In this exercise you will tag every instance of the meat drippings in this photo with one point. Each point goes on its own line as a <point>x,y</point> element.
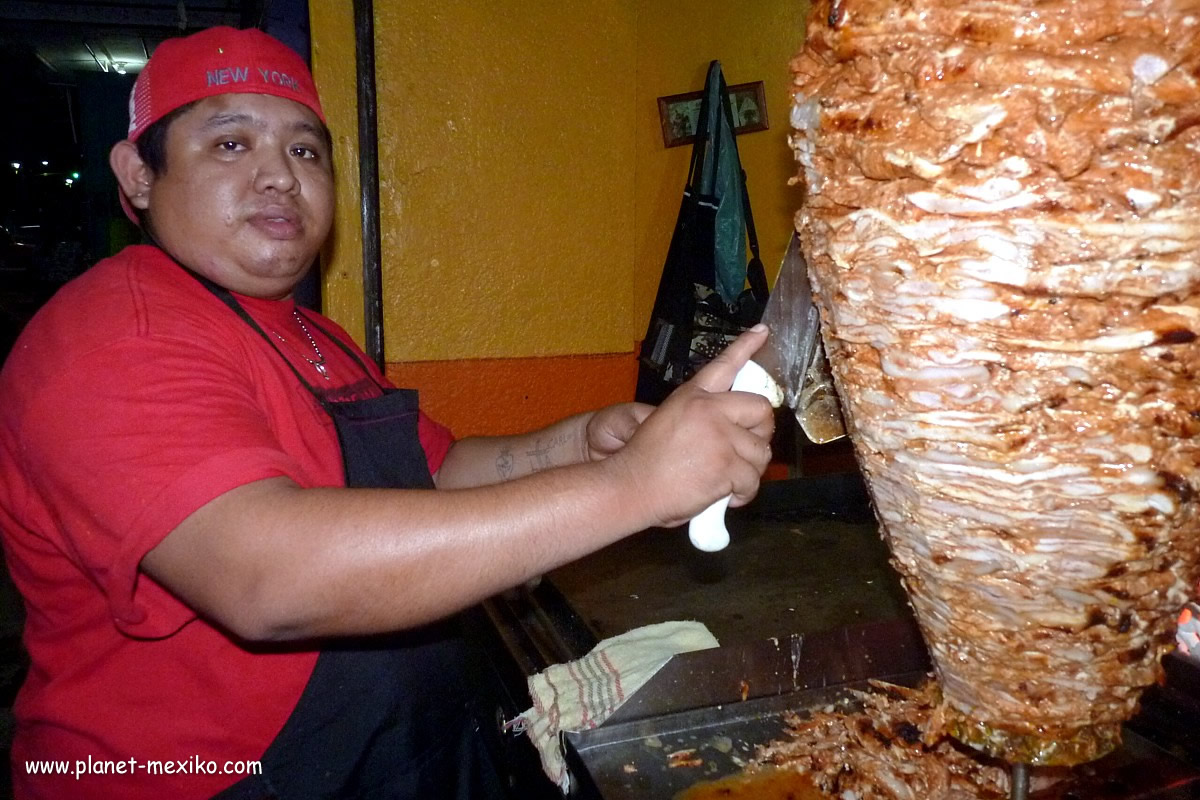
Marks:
<point>890,748</point>
<point>1002,221</point>
<point>763,785</point>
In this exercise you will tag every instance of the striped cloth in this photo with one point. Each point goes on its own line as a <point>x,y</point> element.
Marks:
<point>582,694</point>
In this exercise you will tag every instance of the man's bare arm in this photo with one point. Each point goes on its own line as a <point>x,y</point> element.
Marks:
<point>273,561</point>
<point>575,440</point>
<point>481,461</point>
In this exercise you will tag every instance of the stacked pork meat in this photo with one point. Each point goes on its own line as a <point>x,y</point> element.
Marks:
<point>1002,220</point>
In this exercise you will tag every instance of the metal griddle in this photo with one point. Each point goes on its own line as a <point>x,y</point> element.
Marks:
<point>696,702</point>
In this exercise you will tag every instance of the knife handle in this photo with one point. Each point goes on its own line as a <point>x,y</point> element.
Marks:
<point>707,529</point>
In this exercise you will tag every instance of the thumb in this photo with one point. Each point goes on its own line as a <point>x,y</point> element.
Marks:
<point>718,374</point>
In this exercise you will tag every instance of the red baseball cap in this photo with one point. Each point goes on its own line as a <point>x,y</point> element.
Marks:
<point>216,61</point>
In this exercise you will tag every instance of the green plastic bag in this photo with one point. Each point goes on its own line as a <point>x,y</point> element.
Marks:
<point>721,178</point>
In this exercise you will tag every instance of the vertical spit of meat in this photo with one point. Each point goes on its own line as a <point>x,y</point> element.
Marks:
<point>1002,218</point>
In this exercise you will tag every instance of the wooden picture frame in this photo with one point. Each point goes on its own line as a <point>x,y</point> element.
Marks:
<point>677,113</point>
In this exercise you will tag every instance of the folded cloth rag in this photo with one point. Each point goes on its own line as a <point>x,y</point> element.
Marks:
<point>582,694</point>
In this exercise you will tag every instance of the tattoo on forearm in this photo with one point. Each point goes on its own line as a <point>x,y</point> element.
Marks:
<point>540,456</point>
<point>504,464</point>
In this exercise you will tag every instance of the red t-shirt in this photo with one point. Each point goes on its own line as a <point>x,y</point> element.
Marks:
<point>133,398</point>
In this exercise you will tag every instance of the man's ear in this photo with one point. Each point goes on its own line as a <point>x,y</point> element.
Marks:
<point>134,177</point>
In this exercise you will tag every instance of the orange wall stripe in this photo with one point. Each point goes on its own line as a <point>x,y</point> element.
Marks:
<point>494,397</point>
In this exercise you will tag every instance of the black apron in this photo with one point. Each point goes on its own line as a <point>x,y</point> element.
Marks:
<point>395,717</point>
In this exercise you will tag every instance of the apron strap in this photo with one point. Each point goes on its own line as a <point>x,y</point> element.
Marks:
<point>226,297</point>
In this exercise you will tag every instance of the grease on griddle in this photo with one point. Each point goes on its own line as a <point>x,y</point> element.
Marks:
<point>684,758</point>
<point>781,784</point>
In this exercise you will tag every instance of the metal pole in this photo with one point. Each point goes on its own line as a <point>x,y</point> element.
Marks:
<point>1020,782</point>
<point>368,178</point>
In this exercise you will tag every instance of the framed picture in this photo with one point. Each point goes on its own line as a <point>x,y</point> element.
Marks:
<point>678,112</point>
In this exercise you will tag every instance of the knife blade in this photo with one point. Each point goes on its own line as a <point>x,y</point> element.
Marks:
<point>794,323</point>
<point>779,372</point>
<point>794,355</point>
<point>817,409</point>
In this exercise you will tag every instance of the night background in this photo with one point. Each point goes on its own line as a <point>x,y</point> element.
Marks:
<point>68,68</point>
<point>58,210</point>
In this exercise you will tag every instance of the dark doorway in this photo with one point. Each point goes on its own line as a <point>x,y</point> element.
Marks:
<point>69,68</point>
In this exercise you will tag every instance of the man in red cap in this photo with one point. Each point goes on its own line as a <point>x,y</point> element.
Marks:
<point>240,548</point>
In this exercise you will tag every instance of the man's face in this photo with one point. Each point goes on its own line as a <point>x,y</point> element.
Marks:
<point>246,198</point>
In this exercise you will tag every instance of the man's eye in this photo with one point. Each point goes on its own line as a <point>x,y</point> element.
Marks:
<point>230,147</point>
<point>300,151</point>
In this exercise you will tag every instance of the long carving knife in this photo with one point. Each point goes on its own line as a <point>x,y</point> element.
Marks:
<point>777,372</point>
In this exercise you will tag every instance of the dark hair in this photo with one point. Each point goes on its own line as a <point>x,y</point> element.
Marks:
<point>152,144</point>
<point>152,149</point>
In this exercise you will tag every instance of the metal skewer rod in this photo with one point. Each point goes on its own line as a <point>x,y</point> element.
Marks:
<point>1020,782</point>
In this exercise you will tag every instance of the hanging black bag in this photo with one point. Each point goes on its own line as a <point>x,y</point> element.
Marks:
<point>700,306</point>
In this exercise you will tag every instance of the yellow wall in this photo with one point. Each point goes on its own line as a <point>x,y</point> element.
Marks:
<point>505,144</point>
<point>527,198</point>
<point>333,69</point>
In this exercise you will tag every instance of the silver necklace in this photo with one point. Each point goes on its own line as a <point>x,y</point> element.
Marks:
<point>319,362</point>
